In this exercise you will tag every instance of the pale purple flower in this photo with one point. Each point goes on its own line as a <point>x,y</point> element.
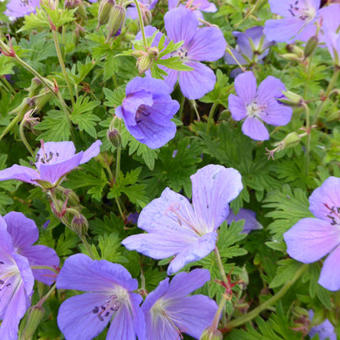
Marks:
<point>200,44</point>
<point>170,310</point>
<point>325,330</point>
<point>53,161</point>
<point>197,6</point>
<point>313,238</point>
<point>251,47</point>
<point>330,30</point>
<point>249,217</point>
<point>258,105</point>
<point>19,8</point>
<point>109,297</point>
<point>17,255</point>
<point>187,231</point>
<point>147,111</point>
<point>298,23</point>
<point>146,5</point>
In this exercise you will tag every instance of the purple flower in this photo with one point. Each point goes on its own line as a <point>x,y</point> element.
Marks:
<point>17,255</point>
<point>108,296</point>
<point>147,111</point>
<point>187,231</point>
<point>18,8</point>
<point>298,23</point>
<point>200,44</point>
<point>170,310</point>
<point>325,330</point>
<point>197,6</point>
<point>312,238</point>
<point>53,161</point>
<point>330,33</point>
<point>251,47</point>
<point>258,105</point>
<point>249,217</point>
<point>146,5</point>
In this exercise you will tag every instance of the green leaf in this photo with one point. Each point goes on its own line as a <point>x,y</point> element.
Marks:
<point>174,63</point>
<point>114,98</point>
<point>285,271</point>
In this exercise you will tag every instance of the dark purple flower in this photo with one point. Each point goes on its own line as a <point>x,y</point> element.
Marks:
<point>330,33</point>
<point>53,161</point>
<point>17,255</point>
<point>109,296</point>
<point>313,238</point>
<point>187,231</point>
<point>298,23</point>
<point>132,218</point>
<point>200,44</point>
<point>325,330</point>
<point>147,111</point>
<point>258,105</point>
<point>146,5</point>
<point>170,310</point>
<point>249,217</point>
<point>19,8</point>
<point>251,47</point>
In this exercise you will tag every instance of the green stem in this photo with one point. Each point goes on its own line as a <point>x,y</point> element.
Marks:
<point>180,113</point>
<point>9,127</point>
<point>250,12</point>
<point>46,296</point>
<point>220,266</point>
<point>328,91</point>
<point>119,152</point>
<point>309,136</point>
<point>87,246</point>
<point>229,51</point>
<point>141,23</point>
<point>46,268</point>
<point>211,114</point>
<point>8,85</point>
<point>23,138</point>
<point>62,64</point>
<point>265,305</point>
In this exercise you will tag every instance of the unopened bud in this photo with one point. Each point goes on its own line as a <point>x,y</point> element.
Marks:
<point>211,334</point>
<point>113,136</point>
<point>35,316</point>
<point>291,56</point>
<point>116,20</point>
<point>144,63</point>
<point>104,10</point>
<point>311,45</point>
<point>146,16</point>
<point>80,224</point>
<point>34,87</point>
<point>295,50</point>
<point>291,98</point>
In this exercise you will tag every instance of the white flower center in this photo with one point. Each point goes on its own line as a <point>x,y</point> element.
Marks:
<point>255,110</point>
<point>301,11</point>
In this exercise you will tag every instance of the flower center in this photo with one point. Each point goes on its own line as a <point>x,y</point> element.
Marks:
<point>141,113</point>
<point>296,9</point>
<point>182,53</point>
<point>334,214</point>
<point>255,110</point>
<point>7,273</point>
<point>46,158</point>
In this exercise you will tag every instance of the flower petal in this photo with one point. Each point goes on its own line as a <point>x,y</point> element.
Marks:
<point>198,82</point>
<point>255,129</point>
<point>245,86</point>
<point>23,230</point>
<point>148,84</point>
<point>325,198</point>
<point>237,107</point>
<point>330,273</point>
<point>249,217</point>
<point>156,294</point>
<point>310,239</point>
<point>42,256</point>
<point>196,251</point>
<point>270,88</point>
<point>284,30</point>
<point>76,318</point>
<point>91,152</point>
<point>208,44</point>
<point>276,114</point>
<point>82,273</point>
<point>180,24</point>
<point>213,187</point>
<point>20,173</point>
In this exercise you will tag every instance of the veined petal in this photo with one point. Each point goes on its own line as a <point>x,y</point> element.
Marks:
<point>82,273</point>
<point>138,316</point>
<point>196,251</point>
<point>20,173</point>
<point>197,82</point>
<point>284,30</point>
<point>213,187</point>
<point>91,152</point>
<point>237,107</point>
<point>280,7</point>
<point>208,44</point>
<point>276,114</point>
<point>180,24</point>
<point>77,319</point>
<point>245,86</point>
<point>255,129</point>
<point>325,199</point>
<point>310,239</point>
<point>53,172</point>
<point>147,83</point>
<point>56,152</point>
<point>330,273</point>
<point>156,294</point>
<point>23,230</point>
<point>270,88</point>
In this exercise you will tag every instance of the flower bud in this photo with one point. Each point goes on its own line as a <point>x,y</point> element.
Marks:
<point>80,225</point>
<point>146,16</point>
<point>116,20</point>
<point>113,136</point>
<point>311,45</point>
<point>291,57</point>
<point>211,334</point>
<point>295,50</point>
<point>104,10</point>
<point>35,316</point>
<point>291,98</point>
<point>144,63</point>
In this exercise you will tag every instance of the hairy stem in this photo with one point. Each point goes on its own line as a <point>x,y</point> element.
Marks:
<point>141,23</point>
<point>23,138</point>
